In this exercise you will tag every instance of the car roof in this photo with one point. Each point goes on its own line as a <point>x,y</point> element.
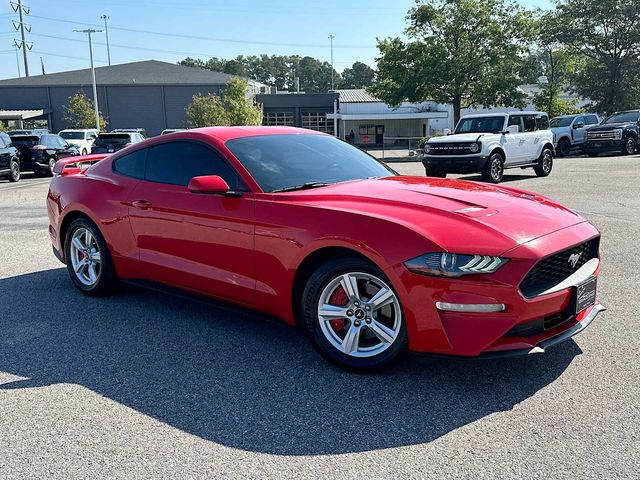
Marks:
<point>229,133</point>
<point>503,114</point>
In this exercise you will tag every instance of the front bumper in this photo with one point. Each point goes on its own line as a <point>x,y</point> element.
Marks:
<point>455,164</point>
<point>596,146</point>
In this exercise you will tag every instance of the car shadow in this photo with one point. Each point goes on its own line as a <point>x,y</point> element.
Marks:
<point>505,178</point>
<point>240,380</point>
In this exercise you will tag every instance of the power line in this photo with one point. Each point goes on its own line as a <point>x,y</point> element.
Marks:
<point>211,39</point>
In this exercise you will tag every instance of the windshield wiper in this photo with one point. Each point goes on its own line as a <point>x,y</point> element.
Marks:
<point>304,186</point>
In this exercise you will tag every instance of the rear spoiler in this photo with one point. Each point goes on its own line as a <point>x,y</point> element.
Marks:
<point>73,165</point>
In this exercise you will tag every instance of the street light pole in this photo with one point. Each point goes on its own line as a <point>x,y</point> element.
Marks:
<point>331,37</point>
<point>106,32</point>
<point>89,31</point>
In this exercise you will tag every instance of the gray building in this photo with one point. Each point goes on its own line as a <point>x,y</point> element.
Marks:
<point>150,94</point>
<point>306,110</point>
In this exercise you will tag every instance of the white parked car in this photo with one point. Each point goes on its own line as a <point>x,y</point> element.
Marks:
<point>81,138</point>
<point>491,142</point>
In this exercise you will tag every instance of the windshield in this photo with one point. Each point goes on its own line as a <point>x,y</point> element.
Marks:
<point>561,122</point>
<point>72,135</point>
<point>112,139</point>
<point>480,125</point>
<point>283,161</point>
<point>25,140</point>
<point>622,117</point>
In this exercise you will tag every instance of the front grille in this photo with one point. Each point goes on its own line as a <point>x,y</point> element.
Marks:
<point>449,149</point>
<point>553,269</point>
<point>608,135</point>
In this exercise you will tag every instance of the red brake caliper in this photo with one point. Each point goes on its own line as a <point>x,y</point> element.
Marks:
<point>339,299</point>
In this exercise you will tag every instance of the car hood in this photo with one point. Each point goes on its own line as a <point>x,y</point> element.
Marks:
<point>457,137</point>
<point>610,126</point>
<point>458,215</point>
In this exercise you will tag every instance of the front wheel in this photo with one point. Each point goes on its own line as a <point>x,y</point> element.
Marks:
<point>493,170</point>
<point>14,170</point>
<point>353,316</point>
<point>545,163</point>
<point>88,260</point>
<point>630,146</point>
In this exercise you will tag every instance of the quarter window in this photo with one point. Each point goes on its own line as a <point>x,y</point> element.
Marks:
<point>132,165</point>
<point>178,162</point>
<point>542,122</point>
<point>529,123</point>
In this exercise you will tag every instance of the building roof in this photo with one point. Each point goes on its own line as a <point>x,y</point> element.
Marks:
<point>21,114</point>
<point>357,95</point>
<point>147,72</point>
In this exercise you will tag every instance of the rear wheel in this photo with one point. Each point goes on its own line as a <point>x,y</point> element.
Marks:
<point>353,316</point>
<point>545,163</point>
<point>493,170</point>
<point>564,147</point>
<point>88,260</point>
<point>14,170</point>
<point>630,146</point>
<point>52,163</point>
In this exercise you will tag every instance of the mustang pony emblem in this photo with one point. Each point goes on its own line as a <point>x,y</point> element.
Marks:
<point>573,259</point>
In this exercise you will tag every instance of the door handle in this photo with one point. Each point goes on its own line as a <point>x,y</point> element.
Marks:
<point>142,204</point>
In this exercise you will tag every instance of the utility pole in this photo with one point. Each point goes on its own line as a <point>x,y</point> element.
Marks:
<point>89,31</point>
<point>17,59</point>
<point>19,9</point>
<point>106,32</point>
<point>331,37</point>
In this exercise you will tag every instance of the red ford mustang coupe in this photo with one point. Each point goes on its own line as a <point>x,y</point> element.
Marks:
<point>307,228</point>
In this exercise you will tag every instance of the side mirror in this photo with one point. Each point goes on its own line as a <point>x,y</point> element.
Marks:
<point>208,184</point>
<point>512,129</point>
<point>578,125</point>
<point>447,131</point>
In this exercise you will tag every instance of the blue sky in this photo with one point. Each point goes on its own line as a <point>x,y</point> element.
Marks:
<point>224,29</point>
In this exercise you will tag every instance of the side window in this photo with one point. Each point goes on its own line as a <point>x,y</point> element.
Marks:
<point>3,141</point>
<point>579,119</point>
<point>46,141</point>
<point>542,122</point>
<point>132,165</point>
<point>178,162</point>
<point>61,142</point>
<point>591,120</point>
<point>517,121</point>
<point>529,123</point>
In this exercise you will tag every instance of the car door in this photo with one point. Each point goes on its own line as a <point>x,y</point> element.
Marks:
<point>514,143</point>
<point>198,241</point>
<point>5,152</point>
<point>578,130</point>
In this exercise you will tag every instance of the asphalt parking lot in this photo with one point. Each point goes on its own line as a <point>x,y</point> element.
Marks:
<point>141,385</point>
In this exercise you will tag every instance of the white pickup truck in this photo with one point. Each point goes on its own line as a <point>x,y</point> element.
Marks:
<point>490,143</point>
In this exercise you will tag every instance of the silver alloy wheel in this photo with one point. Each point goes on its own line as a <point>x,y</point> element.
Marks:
<point>86,259</point>
<point>15,170</point>
<point>370,318</point>
<point>496,168</point>
<point>631,146</point>
<point>546,162</point>
<point>52,163</point>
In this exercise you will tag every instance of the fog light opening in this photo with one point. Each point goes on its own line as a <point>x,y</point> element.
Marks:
<point>470,307</point>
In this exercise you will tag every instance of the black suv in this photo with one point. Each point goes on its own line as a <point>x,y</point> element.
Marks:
<point>9,159</point>
<point>618,132</point>
<point>40,152</point>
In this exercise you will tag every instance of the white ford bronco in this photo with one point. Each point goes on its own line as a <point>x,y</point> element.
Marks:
<point>491,142</point>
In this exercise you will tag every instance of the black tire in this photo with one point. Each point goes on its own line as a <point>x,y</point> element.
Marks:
<point>630,146</point>
<point>311,299</point>
<point>564,147</point>
<point>545,163</point>
<point>493,170</point>
<point>84,151</point>
<point>14,170</point>
<point>107,279</point>
<point>435,172</point>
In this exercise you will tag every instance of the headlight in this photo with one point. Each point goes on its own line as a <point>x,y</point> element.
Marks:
<point>474,147</point>
<point>428,148</point>
<point>453,265</point>
<point>617,132</point>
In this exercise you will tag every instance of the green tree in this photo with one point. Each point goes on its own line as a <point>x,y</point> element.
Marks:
<point>206,111</point>
<point>239,106</point>
<point>463,52</point>
<point>606,33</point>
<point>79,113</point>
<point>360,75</point>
